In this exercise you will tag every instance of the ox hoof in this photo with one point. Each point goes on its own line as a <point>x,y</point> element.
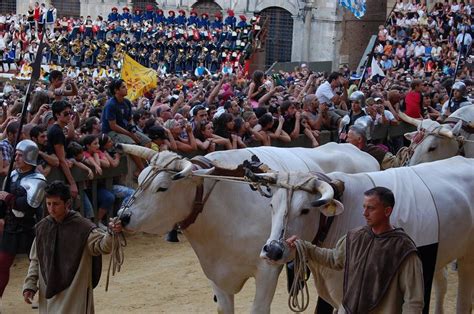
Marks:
<point>172,236</point>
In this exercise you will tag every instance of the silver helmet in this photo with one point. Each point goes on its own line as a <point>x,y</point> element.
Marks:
<point>365,123</point>
<point>358,96</point>
<point>30,151</point>
<point>460,86</point>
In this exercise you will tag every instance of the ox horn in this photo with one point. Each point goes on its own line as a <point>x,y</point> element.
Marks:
<point>409,120</point>
<point>270,177</point>
<point>135,150</point>
<point>185,167</point>
<point>327,194</point>
<point>445,132</point>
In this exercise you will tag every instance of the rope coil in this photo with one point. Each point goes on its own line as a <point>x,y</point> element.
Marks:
<point>298,300</point>
<point>116,255</point>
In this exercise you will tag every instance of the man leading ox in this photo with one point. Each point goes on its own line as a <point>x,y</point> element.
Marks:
<point>382,270</point>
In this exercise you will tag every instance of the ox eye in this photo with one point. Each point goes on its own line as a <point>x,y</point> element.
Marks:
<point>160,189</point>
<point>304,211</point>
<point>432,148</point>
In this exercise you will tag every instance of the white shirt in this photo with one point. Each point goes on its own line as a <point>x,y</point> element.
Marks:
<point>388,115</point>
<point>324,93</point>
<point>467,39</point>
<point>419,50</point>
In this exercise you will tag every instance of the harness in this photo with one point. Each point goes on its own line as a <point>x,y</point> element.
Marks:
<point>422,135</point>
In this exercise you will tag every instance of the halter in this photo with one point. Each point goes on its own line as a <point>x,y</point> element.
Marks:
<point>155,171</point>
<point>424,135</point>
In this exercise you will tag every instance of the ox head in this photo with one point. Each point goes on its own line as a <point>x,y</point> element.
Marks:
<point>432,141</point>
<point>298,199</point>
<point>165,192</point>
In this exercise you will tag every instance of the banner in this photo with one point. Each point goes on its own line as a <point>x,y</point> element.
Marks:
<point>139,79</point>
<point>357,7</point>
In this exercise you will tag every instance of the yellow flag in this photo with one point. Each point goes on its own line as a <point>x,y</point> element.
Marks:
<point>139,79</point>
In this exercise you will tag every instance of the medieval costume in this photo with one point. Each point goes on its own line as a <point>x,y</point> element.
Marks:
<point>65,274</point>
<point>390,280</point>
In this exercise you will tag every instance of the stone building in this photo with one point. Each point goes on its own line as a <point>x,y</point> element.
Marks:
<point>298,30</point>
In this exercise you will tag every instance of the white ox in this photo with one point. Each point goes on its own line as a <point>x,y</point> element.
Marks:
<point>433,141</point>
<point>434,204</point>
<point>229,233</point>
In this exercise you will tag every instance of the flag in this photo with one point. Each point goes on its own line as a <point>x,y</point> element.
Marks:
<point>376,69</point>
<point>139,79</point>
<point>357,7</point>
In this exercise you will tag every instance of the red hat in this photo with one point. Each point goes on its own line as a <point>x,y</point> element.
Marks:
<point>149,7</point>
<point>182,11</point>
<point>218,15</point>
<point>205,14</point>
<point>230,12</point>
<point>243,17</point>
<point>137,10</point>
<point>126,9</point>
<point>171,12</point>
<point>159,11</point>
<point>114,9</point>
<point>193,12</point>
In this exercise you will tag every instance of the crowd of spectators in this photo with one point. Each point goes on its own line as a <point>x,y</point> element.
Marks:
<point>171,43</point>
<point>75,120</point>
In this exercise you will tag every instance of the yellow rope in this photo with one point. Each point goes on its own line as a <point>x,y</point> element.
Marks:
<point>116,255</point>
<point>298,299</point>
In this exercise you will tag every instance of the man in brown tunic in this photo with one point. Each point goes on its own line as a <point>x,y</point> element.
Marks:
<point>382,270</point>
<point>65,256</point>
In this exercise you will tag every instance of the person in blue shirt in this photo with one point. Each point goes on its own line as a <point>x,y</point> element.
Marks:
<point>149,14</point>
<point>193,19</point>
<point>137,16</point>
<point>126,15</point>
<point>113,16</point>
<point>159,17</point>
<point>171,19</point>
<point>181,19</point>
<point>230,20</point>
<point>204,21</point>
<point>243,22</point>
<point>116,117</point>
<point>217,23</point>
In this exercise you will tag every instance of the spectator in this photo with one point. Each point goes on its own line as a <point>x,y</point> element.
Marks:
<point>116,118</point>
<point>45,161</point>
<point>414,100</point>
<point>62,111</point>
<point>6,146</point>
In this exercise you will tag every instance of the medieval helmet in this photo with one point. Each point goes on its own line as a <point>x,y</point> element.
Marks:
<point>367,124</point>
<point>358,96</point>
<point>30,151</point>
<point>460,86</point>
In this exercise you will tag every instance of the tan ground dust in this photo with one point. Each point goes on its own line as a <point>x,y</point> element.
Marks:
<point>160,277</point>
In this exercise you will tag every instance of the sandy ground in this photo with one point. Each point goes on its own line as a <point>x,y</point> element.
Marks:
<point>160,277</point>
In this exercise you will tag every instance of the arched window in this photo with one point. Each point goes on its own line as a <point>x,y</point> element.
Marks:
<point>141,4</point>
<point>207,6</point>
<point>279,38</point>
<point>7,6</point>
<point>67,8</point>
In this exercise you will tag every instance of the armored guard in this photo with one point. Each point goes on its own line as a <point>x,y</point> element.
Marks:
<point>20,207</point>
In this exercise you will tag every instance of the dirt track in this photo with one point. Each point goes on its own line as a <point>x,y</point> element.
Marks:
<point>159,277</point>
